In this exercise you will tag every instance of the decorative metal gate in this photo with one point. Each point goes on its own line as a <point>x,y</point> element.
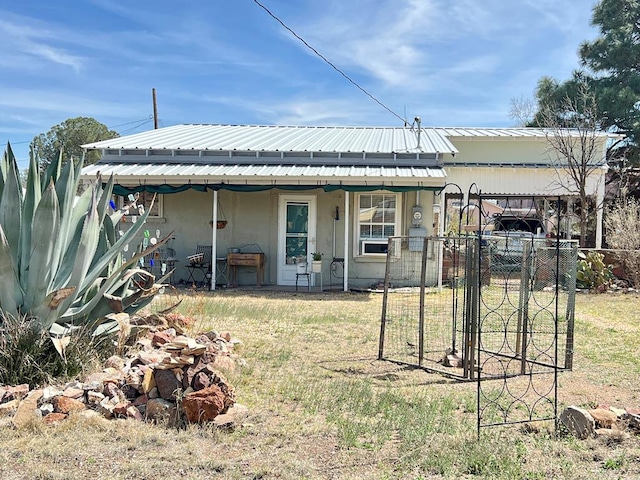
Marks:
<point>482,307</point>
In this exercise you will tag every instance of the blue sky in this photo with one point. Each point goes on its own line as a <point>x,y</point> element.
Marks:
<point>451,62</point>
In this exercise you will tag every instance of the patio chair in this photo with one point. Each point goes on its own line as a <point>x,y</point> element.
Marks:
<point>200,266</point>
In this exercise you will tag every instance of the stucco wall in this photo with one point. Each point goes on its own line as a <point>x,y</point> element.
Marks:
<point>477,153</point>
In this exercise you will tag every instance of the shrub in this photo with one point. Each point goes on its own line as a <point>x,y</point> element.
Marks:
<point>622,227</point>
<point>27,354</point>
<point>592,273</point>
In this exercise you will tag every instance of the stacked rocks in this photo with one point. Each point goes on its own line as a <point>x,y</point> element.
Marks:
<point>171,377</point>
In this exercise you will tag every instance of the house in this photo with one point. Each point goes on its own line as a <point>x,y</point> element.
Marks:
<point>288,192</point>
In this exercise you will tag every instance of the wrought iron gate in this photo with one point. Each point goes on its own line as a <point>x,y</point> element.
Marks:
<point>484,307</point>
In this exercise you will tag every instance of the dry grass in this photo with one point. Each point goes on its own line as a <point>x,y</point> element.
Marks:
<point>322,406</point>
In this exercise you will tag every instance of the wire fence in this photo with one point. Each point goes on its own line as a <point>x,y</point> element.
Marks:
<point>484,307</point>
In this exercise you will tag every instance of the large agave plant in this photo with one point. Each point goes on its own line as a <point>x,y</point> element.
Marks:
<point>61,262</point>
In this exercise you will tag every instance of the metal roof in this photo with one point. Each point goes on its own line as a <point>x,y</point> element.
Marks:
<point>283,139</point>
<point>184,172</point>
<point>529,132</point>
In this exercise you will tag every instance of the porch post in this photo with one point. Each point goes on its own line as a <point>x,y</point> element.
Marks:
<point>600,207</point>
<point>345,270</point>
<point>214,240</point>
<point>441,219</point>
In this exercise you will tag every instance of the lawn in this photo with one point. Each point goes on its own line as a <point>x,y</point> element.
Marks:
<point>322,406</point>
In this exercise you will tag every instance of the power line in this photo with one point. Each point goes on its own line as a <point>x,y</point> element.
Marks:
<point>136,126</point>
<point>326,60</point>
<point>131,123</point>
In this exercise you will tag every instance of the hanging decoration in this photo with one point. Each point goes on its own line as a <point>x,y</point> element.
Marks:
<point>222,219</point>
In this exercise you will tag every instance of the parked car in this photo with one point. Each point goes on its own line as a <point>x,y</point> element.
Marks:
<point>506,240</point>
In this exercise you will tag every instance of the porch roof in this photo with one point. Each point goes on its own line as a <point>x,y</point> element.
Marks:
<point>213,176</point>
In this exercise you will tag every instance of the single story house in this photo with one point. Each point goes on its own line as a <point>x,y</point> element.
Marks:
<point>290,191</point>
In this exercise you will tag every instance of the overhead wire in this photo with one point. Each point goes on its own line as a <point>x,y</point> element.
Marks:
<point>150,117</point>
<point>327,61</point>
<point>136,126</point>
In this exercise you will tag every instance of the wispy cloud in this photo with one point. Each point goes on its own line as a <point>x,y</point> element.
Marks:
<point>36,41</point>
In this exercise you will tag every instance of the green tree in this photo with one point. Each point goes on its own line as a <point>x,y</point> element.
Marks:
<point>614,58</point>
<point>611,66</point>
<point>69,136</point>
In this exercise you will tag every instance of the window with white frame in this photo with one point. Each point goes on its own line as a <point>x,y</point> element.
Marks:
<point>378,218</point>
<point>142,199</point>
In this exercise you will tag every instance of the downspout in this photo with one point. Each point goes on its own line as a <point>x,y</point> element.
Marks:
<point>214,240</point>
<point>345,270</point>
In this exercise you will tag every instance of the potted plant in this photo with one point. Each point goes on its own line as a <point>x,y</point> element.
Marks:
<point>316,264</point>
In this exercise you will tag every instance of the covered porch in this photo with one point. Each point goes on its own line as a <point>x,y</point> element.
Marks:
<point>345,218</point>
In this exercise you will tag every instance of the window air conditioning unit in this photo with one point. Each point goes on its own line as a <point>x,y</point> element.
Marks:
<point>373,247</point>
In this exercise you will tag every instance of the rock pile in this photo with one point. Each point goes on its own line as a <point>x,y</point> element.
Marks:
<point>602,421</point>
<point>171,377</point>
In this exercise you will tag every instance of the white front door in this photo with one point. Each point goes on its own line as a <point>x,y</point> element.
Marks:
<point>296,235</point>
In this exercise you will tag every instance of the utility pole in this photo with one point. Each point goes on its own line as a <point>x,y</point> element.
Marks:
<point>155,109</point>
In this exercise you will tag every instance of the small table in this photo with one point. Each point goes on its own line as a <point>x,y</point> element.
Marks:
<point>235,260</point>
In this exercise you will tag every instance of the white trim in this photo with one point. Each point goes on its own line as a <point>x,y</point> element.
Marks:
<point>345,269</point>
<point>357,252</point>
<point>282,270</point>
<point>214,240</point>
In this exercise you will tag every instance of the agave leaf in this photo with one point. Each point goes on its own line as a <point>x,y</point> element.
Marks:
<point>52,173</point>
<point>64,185</point>
<point>109,327</point>
<point>80,312</point>
<point>65,190</point>
<point>32,197</point>
<point>11,206</point>
<point>116,250</point>
<point>129,300</point>
<point>104,197</point>
<point>109,230</point>
<point>3,168</point>
<point>44,234</point>
<point>84,255</point>
<point>10,291</point>
<point>71,229</point>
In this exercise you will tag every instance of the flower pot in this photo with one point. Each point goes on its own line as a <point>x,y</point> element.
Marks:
<point>301,267</point>
<point>316,266</point>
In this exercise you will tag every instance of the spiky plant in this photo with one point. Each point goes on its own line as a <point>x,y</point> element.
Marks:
<point>61,265</point>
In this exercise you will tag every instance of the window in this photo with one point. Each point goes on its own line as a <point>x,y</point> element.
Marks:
<point>377,219</point>
<point>142,199</point>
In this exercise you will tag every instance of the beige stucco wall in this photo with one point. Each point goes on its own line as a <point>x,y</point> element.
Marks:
<point>513,180</point>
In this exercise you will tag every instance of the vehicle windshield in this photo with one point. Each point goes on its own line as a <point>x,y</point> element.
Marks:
<point>518,224</point>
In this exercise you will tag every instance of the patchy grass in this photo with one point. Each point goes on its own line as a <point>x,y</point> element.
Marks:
<point>322,406</point>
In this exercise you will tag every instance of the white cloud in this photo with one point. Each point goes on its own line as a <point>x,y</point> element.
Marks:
<point>36,40</point>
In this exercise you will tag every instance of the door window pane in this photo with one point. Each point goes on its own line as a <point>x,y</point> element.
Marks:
<point>297,232</point>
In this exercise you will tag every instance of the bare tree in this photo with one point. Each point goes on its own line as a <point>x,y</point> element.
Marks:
<point>622,225</point>
<point>523,110</point>
<point>575,148</point>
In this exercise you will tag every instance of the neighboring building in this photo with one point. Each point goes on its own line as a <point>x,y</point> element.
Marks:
<point>341,191</point>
